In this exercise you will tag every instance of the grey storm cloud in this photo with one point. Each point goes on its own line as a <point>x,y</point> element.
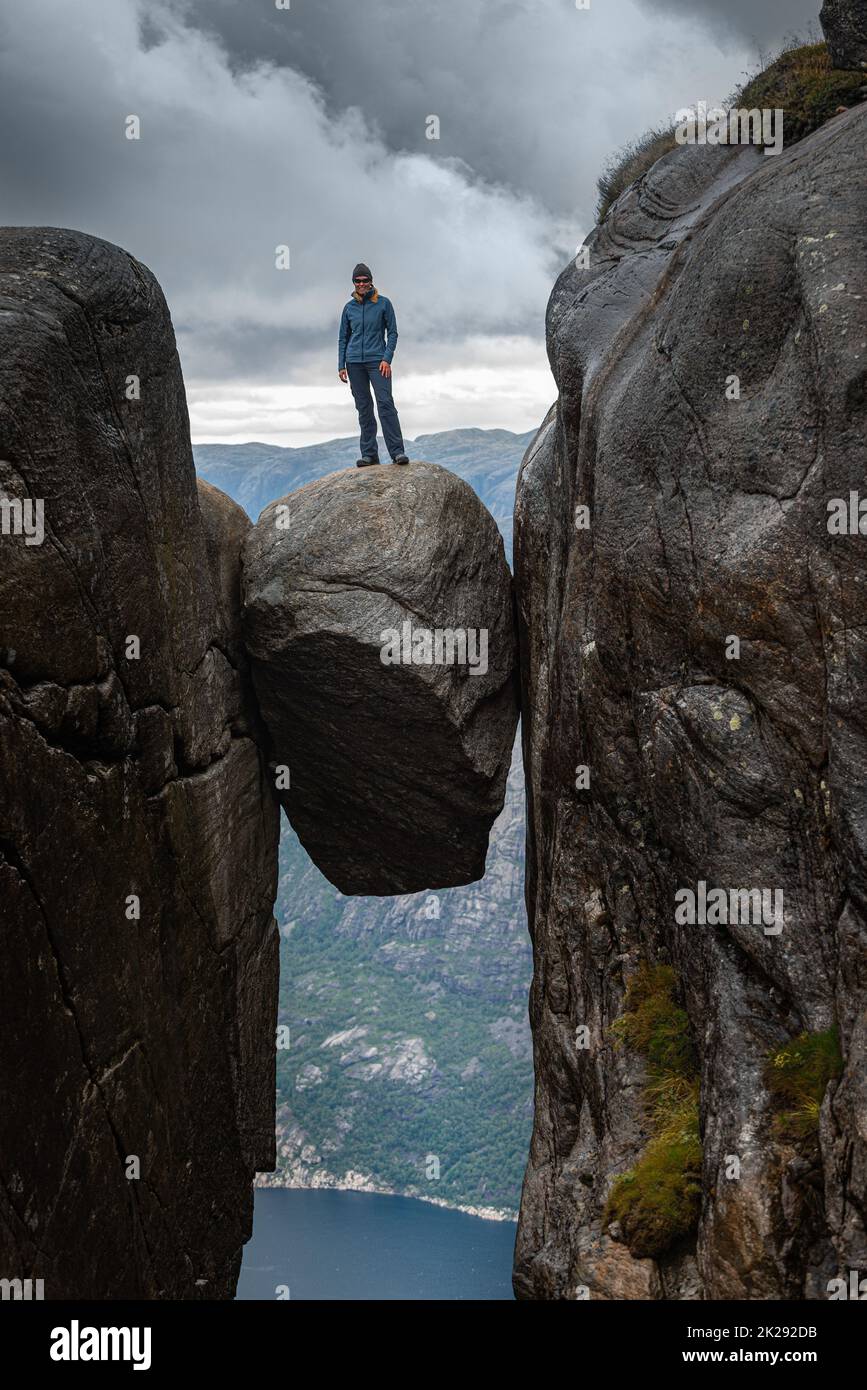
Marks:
<point>233,164</point>
<point>760,23</point>
<point>526,89</point>
<point>307,127</point>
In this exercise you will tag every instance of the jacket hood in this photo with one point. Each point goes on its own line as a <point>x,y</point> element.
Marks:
<point>374,296</point>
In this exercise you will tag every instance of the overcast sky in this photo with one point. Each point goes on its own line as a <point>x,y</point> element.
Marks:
<point>306,127</point>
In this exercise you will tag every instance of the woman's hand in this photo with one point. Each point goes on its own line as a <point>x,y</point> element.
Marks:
<point>385,368</point>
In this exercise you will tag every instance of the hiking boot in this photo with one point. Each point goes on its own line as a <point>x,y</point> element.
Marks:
<point>365,463</point>
<point>400,458</point>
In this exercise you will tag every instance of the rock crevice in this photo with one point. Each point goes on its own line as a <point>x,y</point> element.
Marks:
<point>138,817</point>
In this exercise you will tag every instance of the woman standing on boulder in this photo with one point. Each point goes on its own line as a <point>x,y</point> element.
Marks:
<point>368,322</point>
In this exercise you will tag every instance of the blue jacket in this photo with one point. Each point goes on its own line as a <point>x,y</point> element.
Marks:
<point>368,330</point>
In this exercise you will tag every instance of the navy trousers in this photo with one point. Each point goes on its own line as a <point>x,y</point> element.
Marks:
<point>363,375</point>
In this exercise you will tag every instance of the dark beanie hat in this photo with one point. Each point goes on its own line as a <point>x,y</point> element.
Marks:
<point>362,269</point>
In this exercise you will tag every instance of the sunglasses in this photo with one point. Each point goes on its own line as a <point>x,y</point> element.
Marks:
<point>362,281</point>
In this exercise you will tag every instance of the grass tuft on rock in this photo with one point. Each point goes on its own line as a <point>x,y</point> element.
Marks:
<point>658,1200</point>
<point>797,1075</point>
<point>800,82</point>
<point>629,163</point>
<point>655,1025</point>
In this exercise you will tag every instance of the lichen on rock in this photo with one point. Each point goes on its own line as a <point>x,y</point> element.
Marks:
<point>845,26</point>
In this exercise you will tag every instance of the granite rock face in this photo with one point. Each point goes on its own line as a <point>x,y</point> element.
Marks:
<point>712,375</point>
<point>844,23</point>
<point>397,738</point>
<point>137,828</point>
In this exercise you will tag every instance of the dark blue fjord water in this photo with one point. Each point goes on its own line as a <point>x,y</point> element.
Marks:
<point>357,1245</point>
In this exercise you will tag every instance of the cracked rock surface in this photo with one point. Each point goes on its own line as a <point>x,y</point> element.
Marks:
<point>707,518</point>
<point>396,771</point>
<point>131,783</point>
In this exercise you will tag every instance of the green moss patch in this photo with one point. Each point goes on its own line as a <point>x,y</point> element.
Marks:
<point>628,164</point>
<point>659,1200</point>
<point>804,86</point>
<point>801,83</point>
<point>797,1076</point>
<point>655,1025</point>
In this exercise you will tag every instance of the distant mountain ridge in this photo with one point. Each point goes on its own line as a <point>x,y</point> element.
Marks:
<point>410,1039</point>
<point>409,1031</point>
<point>255,474</point>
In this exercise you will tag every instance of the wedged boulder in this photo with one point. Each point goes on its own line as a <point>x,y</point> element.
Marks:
<point>693,665</point>
<point>138,832</point>
<point>844,23</point>
<point>378,617</point>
